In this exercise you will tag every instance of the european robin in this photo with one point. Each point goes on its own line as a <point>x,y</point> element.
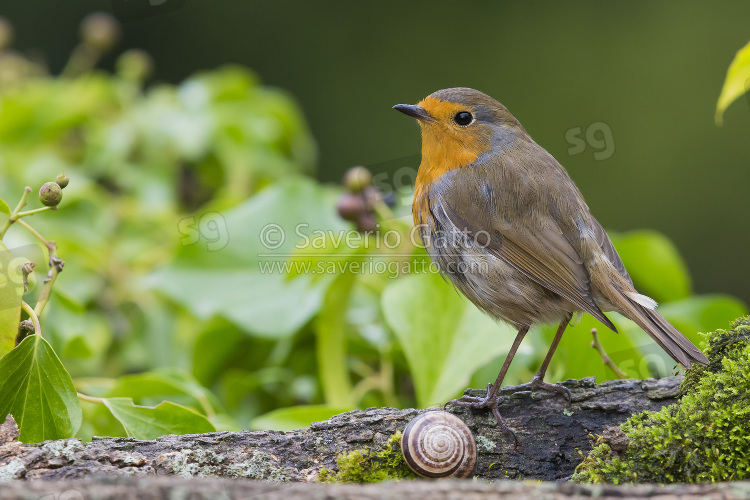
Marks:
<point>507,225</point>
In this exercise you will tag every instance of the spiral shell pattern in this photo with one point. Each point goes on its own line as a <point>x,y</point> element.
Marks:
<point>438,444</point>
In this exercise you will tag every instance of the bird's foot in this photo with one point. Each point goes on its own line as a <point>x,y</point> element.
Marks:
<point>538,383</point>
<point>491,402</point>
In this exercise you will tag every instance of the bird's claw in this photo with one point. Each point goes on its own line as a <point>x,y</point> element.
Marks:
<point>539,383</point>
<point>473,402</point>
<point>478,403</point>
<point>501,423</point>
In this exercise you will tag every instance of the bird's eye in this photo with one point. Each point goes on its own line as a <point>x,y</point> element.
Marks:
<point>463,118</point>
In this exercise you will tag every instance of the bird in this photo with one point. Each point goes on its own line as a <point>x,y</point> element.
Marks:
<point>505,223</point>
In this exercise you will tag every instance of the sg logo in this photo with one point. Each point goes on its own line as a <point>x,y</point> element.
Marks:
<point>210,226</point>
<point>598,136</point>
<point>14,281</point>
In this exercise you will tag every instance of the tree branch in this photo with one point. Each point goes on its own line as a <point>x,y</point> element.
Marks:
<point>550,433</point>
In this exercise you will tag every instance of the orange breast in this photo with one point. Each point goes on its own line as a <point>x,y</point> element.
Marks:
<point>445,146</point>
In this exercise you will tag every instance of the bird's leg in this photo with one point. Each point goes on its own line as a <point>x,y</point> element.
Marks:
<point>491,400</point>
<point>538,380</point>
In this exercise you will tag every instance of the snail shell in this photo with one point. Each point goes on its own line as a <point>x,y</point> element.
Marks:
<point>438,444</point>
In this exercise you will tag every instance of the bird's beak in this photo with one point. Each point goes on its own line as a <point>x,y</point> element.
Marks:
<point>414,111</point>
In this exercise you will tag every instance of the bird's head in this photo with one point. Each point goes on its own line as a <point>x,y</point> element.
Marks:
<point>459,125</point>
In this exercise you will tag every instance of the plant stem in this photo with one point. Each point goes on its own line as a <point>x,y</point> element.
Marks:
<point>22,201</point>
<point>383,211</point>
<point>31,212</point>
<point>330,330</point>
<point>596,344</point>
<point>36,234</point>
<point>33,316</point>
<point>90,399</point>
<point>12,218</point>
<point>55,266</point>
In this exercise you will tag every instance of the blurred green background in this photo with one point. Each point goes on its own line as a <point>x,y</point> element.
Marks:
<point>651,70</point>
<point>174,177</point>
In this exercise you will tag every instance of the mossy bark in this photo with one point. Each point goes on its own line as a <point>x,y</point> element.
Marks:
<point>703,439</point>
<point>550,432</point>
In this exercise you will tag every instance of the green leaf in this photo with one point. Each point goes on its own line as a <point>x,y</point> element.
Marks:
<point>264,305</point>
<point>11,295</point>
<point>444,337</point>
<point>147,422</point>
<point>654,263</point>
<point>213,350</point>
<point>37,390</point>
<point>246,281</point>
<point>76,333</point>
<point>273,224</point>
<point>329,254</point>
<point>4,208</point>
<point>295,417</point>
<point>173,385</point>
<point>735,83</point>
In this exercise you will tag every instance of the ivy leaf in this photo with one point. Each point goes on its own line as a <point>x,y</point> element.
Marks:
<point>11,294</point>
<point>444,337</point>
<point>37,390</point>
<point>654,264</point>
<point>211,358</point>
<point>167,384</point>
<point>246,281</point>
<point>150,422</point>
<point>735,83</point>
<point>264,305</point>
<point>4,208</point>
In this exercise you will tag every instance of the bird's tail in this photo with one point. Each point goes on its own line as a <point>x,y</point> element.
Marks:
<point>640,309</point>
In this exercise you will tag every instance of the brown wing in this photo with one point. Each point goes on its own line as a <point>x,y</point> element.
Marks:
<point>544,256</point>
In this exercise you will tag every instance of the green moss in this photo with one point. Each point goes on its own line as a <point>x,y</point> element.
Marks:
<point>368,466</point>
<point>705,437</point>
<point>720,344</point>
